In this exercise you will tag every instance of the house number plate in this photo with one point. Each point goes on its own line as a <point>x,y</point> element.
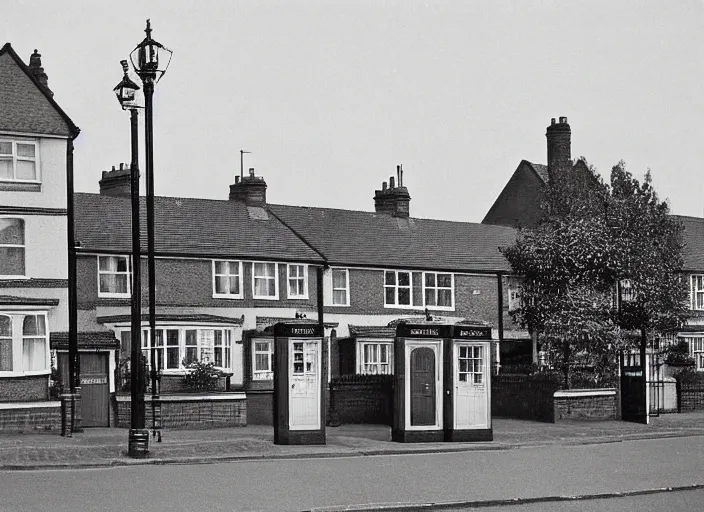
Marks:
<point>93,380</point>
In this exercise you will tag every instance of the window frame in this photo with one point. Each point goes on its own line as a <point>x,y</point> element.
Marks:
<point>14,158</point>
<point>694,291</point>
<point>229,276</point>
<point>437,289</point>
<point>333,289</point>
<point>396,287</point>
<point>304,277</point>
<point>263,375</point>
<point>23,246</point>
<point>275,277</point>
<point>116,295</point>
<point>18,337</point>
<point>376,343</point>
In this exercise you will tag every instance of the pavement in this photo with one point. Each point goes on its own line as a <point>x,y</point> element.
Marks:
<point>106,447</point>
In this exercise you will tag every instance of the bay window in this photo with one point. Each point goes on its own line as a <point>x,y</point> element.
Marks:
<point>297,281</point>
<point>18,161</point>
<point>177,347</point>
<point>227,279</point>
<point>697,292</point>
<point>114,276</point>
<point>12,248</point>
<point>24,342</point>
<point>265,283</point>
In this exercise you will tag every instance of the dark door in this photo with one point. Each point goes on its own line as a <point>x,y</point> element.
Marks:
<point>633,388</point>
<point>95,391</point>
<point>422,386</point>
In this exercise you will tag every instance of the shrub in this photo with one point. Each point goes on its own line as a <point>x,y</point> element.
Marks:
<point>125,373</point>
<point>678,354</point>
<point>202,376</point>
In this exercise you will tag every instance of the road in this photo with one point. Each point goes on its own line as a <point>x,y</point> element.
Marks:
<point>309,483</point>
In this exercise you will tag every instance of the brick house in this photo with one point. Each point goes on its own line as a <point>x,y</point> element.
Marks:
<point>36,159</point>
<point>226,270</point>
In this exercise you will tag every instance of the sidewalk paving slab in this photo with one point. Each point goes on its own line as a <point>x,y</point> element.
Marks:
<point>106,447</point>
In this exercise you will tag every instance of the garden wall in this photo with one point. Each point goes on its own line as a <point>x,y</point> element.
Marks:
<point>526,397</point>
<point>361,399</point>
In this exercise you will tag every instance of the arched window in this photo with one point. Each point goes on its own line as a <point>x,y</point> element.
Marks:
<point>11,247</point>
<point>5,343</point>
<point>34,341</point>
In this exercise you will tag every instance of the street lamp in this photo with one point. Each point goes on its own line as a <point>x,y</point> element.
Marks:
<point>150,60</point>
<point>138,443</point>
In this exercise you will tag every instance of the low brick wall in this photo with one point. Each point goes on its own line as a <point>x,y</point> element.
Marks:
<point>361,399</point>
<point>526,397</point>
<point>260,408</point>
<point>177,384</point>
<point>690,396</point>
<point>30,417</point>
<point>585,404</point>
<point>33,388</point>
<point>189,411</point>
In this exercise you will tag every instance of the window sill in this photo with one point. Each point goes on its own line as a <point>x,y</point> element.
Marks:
<point>227,296</point>
<point>258,297</point>
<point>33,373</point>
<point>114,295</point>
<point>419,308</point>
<point>297,297</point>
<point>15,278</point>
<point>20,186</point>
<point>338,305</point>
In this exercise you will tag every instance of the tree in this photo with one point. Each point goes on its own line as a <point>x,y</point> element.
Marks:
<point>591,238</point>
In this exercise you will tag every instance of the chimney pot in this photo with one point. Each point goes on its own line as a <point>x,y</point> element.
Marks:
<point>563,120</point>
<point>383,185</point>
<point>552,121</point>
<point>237,179</point>
<point>392,183</point>
<point>251,172</point>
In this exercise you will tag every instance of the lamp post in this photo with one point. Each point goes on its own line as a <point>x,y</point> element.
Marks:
<point>138,443</point>
<point>150,60</point>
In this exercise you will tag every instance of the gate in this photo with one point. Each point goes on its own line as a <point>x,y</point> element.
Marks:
<point>634,398</point>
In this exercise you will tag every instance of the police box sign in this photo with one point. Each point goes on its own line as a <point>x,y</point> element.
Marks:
<point>471,332</point>
<point>295,330</point>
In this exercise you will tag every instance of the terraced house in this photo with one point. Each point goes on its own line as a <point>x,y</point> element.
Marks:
<point>228,269</point>
<point>36,158</point>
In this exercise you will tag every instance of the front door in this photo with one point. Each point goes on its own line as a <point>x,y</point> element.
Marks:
<point>304,394</point>
<point>471,386</point>
<point>423,387</point>
<point>95,391</point>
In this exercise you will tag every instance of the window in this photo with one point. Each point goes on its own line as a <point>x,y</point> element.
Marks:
<point>438,290</point>
<point>24,343</point>
<point>514,294</point>
<point>696,347</point>
<point>376,358</point>
<point>697,292</point>
<point>227,279</point>
<point>264,280</point>
<point>11,247</point>
<point>397,288</point>
<point>114,276</point>
<point>471,363</point>
<point>340,287</point>
<point>18,161</point>
<point>263,359</point>
<point>626,287</point>
<point>297,282</point>
<point>177,347</point>
<point>305,358</point>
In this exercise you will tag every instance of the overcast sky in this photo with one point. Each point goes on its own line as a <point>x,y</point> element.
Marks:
<point>331,96</point>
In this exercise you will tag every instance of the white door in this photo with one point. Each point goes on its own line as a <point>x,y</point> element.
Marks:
<point>304,394</point>
<point>471,386</point>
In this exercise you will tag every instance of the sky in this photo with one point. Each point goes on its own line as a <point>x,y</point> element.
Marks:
<point>329,96</point>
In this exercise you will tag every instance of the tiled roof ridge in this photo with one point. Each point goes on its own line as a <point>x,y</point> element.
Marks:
<point>7,48</point>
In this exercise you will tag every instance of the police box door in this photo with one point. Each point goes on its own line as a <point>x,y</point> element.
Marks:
<point>304,376</point>
<point>95,390</point>
<point>423,391</point>
<point>471,381</point>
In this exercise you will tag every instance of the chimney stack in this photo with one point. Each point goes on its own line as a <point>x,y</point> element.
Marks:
<point>117,182</point>
<point>250,190</point>
<point>394,200</point>
<point>559,138</point>
<point>35,67</point>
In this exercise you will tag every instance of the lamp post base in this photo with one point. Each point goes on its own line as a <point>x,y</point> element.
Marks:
<point>138,443</point>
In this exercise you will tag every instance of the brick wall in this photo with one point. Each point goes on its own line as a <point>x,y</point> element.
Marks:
<point>24,389</point>
<point>35,419</point>
<point>361,399</point>
<point>690,396</point>
<point>260,408</point>
<point>181,282</point>
<point>523,397</point>
<point>177,384</point>
<point>587,407</point>
<point>188,413</point>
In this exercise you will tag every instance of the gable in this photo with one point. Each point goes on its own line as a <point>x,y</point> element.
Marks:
<point>518,203</point>
<point>25,107</point>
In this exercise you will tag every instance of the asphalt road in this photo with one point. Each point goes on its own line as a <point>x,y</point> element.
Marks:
<point>303,484</point>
